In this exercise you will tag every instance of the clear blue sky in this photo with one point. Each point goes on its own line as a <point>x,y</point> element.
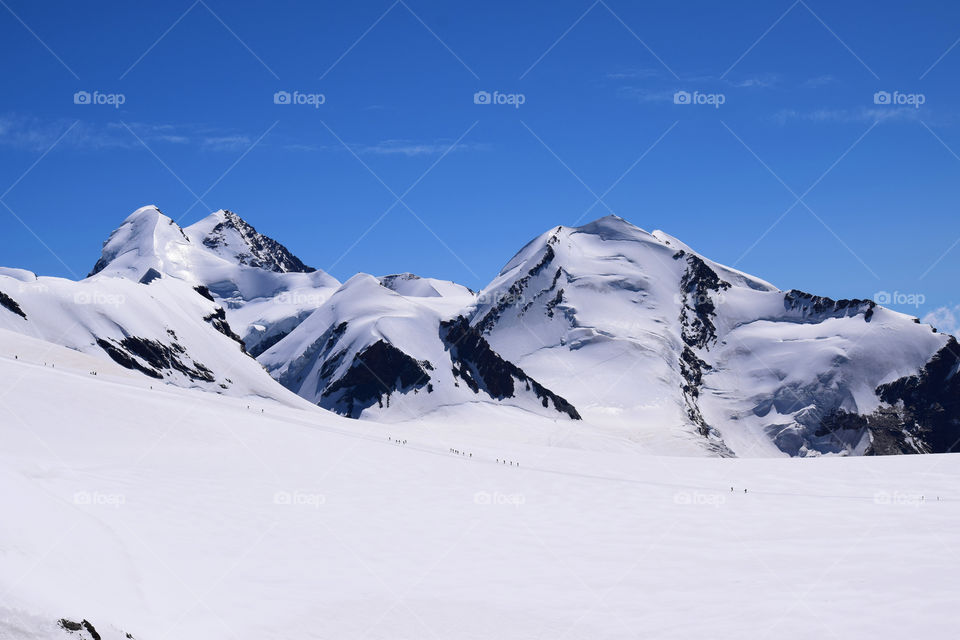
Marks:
<point>598,83</point>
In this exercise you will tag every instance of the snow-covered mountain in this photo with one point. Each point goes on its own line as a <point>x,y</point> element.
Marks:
<point>161,327</point>
<point>606,326</point>
<point>646,336</point>
<point>370,350</point>
<point>265,289</point>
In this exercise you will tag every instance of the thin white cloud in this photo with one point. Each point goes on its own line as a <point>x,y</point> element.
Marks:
<point>633,74</point>
<point>226,143</point>
<point>761,81</point>
<point>945,319</point>
<point>863,114</point>
<point>818,81</point>
<point>32,133</point>
<point>411,148</point>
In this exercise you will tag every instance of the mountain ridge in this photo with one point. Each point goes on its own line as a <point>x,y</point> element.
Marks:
<point>630,332</point>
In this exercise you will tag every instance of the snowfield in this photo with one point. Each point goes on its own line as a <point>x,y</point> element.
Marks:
<point>167,512</point>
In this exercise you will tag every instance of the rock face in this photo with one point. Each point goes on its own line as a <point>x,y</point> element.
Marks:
<point>228,235</point>
<point>375,374</point>
<point>919,413</point>
<point>11,305</point>
<point>483,370</point>
<point>154,358</point>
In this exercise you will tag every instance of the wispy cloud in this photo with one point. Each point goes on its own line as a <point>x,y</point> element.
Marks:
<point>398,147</point>
<point>861,115</point>
<point>647,94</point>
<point>35,134</point>
<point>226,143</point>
<point>760,81</point>
<point>818,81</point>
<point>945,319</point>
<point>633,74</point>
<point>412,148</point>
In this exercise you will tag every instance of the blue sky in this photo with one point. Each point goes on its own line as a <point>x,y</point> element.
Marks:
<point>799,176</point>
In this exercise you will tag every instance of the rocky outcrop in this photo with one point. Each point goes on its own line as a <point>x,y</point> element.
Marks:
<point>262,252</point>
<point>375,374</point>
<point>483,370</point>
<point>11,305</point>
<point>154,358</point>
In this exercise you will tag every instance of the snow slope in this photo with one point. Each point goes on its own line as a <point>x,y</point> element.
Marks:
<point>164,329</point>
<point>662,345</point>
<point>174,513</point>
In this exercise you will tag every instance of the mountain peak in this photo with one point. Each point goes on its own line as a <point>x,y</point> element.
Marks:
<point>144,235</point>
<point>612,227</point>
<point>231,237</point>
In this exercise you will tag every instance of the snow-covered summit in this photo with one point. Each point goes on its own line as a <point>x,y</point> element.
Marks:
<point>147,239</point>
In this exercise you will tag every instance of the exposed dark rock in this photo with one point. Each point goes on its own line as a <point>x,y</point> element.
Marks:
<point>204,291</point>
<point>515,294</point>
<point>819,308</point>
<point>919,415</point>
<point>93,632</point>
<point>697,288</point>
<point>149,276</point>
<point>265,253</point>
<point>482,369</point>
<point>375,373</point>
<point>74,627</point>
<point>698,284</point>
<point>152,358</point>
<point>70,625</point>
<point>218,320</point>
<point>11,305</point>
<point>929,402</point>
<point>557,299</point>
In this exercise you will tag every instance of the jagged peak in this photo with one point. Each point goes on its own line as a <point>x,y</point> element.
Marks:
<point>232,237</point>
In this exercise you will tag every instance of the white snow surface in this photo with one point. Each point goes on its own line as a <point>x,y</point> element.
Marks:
<point>168,311</point>
<point>175,513</point>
